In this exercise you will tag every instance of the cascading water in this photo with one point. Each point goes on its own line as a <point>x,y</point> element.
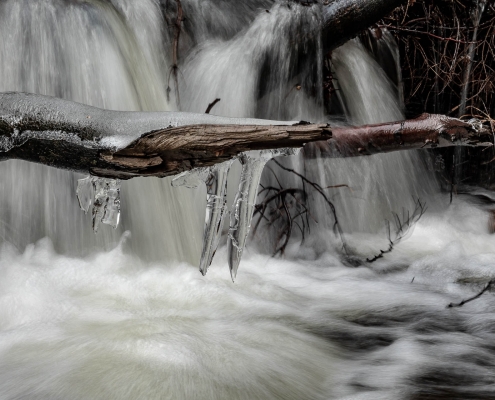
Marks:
<point>93,52</point>
<point>81,320</point>
<point>378,185</point>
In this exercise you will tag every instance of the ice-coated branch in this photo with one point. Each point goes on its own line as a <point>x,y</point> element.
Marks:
<point>112,145</point>
<point>123,145</point>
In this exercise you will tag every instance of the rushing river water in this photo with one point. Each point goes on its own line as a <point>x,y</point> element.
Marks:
<point>125,314</point>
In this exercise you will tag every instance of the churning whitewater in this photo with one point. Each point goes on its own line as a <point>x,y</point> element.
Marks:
<point>125,313</point>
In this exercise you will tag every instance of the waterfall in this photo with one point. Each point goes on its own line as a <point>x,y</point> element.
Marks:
<point>119,316</point>
<point>93,52</point>
<point>99,54</point>
<point>379,184</point>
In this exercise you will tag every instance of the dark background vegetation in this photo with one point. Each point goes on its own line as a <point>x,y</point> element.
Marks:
<point>447,47</point>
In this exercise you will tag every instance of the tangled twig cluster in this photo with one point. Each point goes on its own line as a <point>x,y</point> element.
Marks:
<point>448,56</point>
<point>287,209</point>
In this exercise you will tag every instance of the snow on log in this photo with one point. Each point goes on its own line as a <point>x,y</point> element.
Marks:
<point>123,145</point>
<point>117,144</point>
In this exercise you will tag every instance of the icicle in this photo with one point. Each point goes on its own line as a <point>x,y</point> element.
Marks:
<point>85,193</point>
<point>106,206</point>
<point>106,203</point>
<point>112,206</point>
<point>253,163</point>
<point>99,202</point>
<point>216,207</point>
<point>215,178</point>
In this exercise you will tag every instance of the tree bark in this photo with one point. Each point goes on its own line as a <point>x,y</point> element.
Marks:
<point>426,131</point>
<point>124,145</point>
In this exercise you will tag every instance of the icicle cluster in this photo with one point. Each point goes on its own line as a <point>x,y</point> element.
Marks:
<point>104,195</point>
<point>215,178</point>
<point>241,215</point>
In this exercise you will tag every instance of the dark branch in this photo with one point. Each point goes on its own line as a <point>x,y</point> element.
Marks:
<point>488,286</point>
<point>211,105</point>
<point>402,227</point>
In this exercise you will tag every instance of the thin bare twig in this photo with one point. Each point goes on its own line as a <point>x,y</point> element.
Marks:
<point>319,189</point>
<point>211,105</point>
<point>488,286</point>
<point>402,227</point>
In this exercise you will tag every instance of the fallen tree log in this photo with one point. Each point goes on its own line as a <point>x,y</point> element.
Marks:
<point>123,145</point>
<point>69,135</point>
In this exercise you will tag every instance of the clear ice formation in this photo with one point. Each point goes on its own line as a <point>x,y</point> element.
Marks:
<point>216,209</point>
<point>191,179</point>
<point>104,195</point>
<point>253,163</point>
<point>215,178</point>
<point>85,193</point>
